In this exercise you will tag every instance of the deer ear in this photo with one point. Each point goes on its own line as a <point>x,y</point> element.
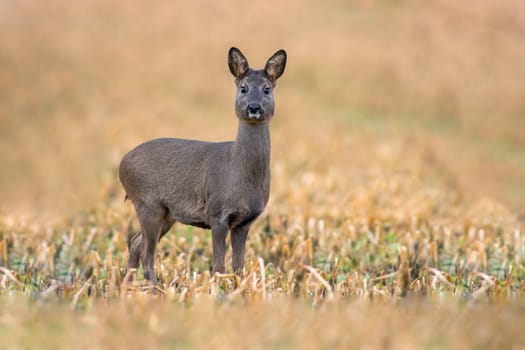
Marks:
<point>237,62</point>
<point>275,66</point>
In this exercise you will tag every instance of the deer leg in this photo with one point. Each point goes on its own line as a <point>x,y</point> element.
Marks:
<point>134,247</point>
<point>135,243</point>
<point>218,235</point>
<point>152,224</point>
<point>238,240</point>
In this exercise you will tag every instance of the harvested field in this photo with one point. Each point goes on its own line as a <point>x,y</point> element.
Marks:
<point>397,210</point>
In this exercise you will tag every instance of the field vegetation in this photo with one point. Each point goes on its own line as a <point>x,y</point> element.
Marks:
<point>397,209</point>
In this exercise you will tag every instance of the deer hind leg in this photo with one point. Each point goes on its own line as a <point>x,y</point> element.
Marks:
<point>135,243</point>
<point>153,225</point>
<point>134,247</point>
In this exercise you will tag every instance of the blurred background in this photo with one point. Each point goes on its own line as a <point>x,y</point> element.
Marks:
<point>434,88</point>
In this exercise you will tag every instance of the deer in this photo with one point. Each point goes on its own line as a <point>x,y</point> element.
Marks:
<point>222,186</point>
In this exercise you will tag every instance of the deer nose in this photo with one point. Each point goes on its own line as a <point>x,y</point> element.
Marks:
<point>254,108</point>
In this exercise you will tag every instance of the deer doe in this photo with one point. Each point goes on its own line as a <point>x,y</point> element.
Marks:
<point>219,185</point>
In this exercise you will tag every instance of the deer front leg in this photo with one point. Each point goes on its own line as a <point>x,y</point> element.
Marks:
<point>238,238</point>
<point>218,235</point>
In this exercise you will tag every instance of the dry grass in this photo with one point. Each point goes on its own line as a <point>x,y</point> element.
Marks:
<point>281,324</point>
<point>398,172</point>
<point>394,263</point>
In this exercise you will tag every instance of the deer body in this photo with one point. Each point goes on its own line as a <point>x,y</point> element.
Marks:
<point>223,186</point>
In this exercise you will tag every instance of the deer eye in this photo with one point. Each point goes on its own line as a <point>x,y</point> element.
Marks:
<point>267,90</point>
<point>243,89</point>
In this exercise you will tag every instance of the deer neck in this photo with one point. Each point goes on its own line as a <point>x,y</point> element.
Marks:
<point>251,151</point>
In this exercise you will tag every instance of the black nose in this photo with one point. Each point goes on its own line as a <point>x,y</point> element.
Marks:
<point>254,108</point>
